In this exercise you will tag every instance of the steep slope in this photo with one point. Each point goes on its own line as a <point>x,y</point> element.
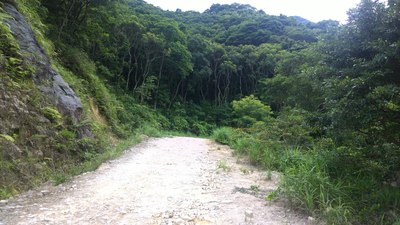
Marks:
<point>38,112</point>
<point>48,128</point>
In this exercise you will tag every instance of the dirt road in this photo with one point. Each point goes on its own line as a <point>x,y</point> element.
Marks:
<point>160,181</point>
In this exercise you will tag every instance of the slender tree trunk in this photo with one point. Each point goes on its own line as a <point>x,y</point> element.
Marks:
<point>185,94</point>
<point>130,71</point>
<point>137,78</point>
<point>203,97</point>
<point>159,80</point>
<point>175,94</point>
<point>216,83</point>
<point>240,83</point>
<point>227,87</point>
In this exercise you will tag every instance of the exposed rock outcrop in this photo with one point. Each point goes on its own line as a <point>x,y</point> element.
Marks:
<point>48,80</point>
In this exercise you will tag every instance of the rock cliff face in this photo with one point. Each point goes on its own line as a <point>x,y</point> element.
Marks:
<point>48,80</point>
<point>35,138</point>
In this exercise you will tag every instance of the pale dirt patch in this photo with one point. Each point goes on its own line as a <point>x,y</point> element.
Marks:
<point>95,113</point>
<point>160,181</point>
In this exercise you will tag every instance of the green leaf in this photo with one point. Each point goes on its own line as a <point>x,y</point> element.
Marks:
<point>7,137</point>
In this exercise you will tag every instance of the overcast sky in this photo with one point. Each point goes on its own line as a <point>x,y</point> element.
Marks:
<point>313,10</point>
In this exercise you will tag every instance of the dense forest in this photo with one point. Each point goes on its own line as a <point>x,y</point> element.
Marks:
<point>319,102</point>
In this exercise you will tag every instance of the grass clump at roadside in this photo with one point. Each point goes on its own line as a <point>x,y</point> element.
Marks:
<point>318,177</point>
<point>305,182</point>
<point>95,160</point>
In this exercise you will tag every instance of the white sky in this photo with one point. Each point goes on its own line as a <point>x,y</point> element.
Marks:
<point>313,10</point>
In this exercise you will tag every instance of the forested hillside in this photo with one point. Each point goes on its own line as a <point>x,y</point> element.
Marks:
<point>319,102</point>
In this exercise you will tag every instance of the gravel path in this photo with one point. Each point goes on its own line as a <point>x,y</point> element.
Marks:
<point>160,181</point>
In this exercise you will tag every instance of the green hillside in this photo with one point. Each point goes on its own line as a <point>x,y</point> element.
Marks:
<point>319,102</point>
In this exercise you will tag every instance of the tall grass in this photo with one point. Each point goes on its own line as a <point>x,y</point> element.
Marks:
<point>94,161</point>
<point>305,183</point>
<point>224,135</point>
<point>308,186</point>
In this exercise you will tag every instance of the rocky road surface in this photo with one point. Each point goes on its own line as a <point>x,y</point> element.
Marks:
<point>160,181</point>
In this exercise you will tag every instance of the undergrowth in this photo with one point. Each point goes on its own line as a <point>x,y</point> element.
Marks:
<point>308,182</point>
<point>95,160</point>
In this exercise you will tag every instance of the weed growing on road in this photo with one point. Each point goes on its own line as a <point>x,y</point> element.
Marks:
<point>272,195</point>
<point>244,170</point>
<point>268,175</point>
<point>255,188</point>
<point>223,165</point>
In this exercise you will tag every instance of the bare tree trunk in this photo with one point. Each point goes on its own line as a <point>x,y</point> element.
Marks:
<point>203,97</point>
<point>132,46</point>
<point>185,94</point>
<point>216,83</point>
<point>159,79</point>
<point>175,94</point>
<point>227,87</point>
<point>240,83</point>
<point>137,78</point>
<point>219,90</point>
<point>130,70</point>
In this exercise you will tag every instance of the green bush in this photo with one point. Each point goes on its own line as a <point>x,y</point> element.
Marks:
<point>285,144</point>
<point>7,192</point>
<point>66,141</point>
<point>179,123</point>
<point>243,145</point>
<point>257,153</point>
<point>150,130</point>
<point>201,128</point>
<point>224,135</point>
<point>249,110</point>
<point>288,129</point>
